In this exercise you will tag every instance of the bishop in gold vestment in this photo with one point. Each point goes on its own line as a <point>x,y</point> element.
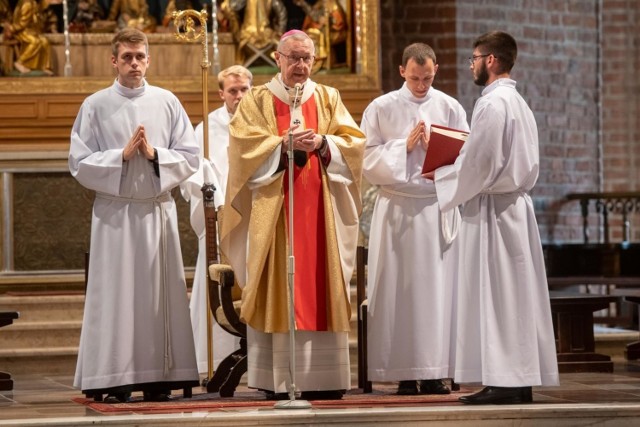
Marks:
<point>326,209</point>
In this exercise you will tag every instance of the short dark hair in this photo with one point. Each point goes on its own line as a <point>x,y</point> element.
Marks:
<point>129,36</point>
<point>501,45</point>
<point>420,52</point>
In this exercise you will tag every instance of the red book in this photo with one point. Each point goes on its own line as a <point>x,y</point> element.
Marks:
<point>444,146</point>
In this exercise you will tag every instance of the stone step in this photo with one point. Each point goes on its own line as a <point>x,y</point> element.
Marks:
<point>39,361</point>
<point>44,340</point>
<point>41,334</point>
<point>44,307</point>
<point>613,341</point>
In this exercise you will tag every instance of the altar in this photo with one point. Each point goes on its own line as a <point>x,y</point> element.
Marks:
<point>89,55</point>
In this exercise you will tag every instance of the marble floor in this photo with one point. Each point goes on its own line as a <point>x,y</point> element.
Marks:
<point>607,399</point>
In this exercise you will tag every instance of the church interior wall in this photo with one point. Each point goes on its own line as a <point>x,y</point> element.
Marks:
<point>576,69</point>
<point>45,221</point>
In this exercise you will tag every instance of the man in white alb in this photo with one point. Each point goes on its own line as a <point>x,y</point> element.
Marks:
<point>132,143</point>
<point>410,286</point>
<point>504,330</point>
<point>234,82</point>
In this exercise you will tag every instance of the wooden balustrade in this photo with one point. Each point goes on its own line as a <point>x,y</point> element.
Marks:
<point>620,203</point>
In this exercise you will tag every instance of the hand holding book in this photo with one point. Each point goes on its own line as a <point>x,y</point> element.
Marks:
<point>444,146</point>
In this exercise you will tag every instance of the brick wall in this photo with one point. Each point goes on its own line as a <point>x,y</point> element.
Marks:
<point>583,148</point>
<point>620,99</point>
<point>428,21</point>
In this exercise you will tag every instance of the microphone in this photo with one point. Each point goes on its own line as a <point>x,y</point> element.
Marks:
<point>296,100</point>
<point>299,157</point>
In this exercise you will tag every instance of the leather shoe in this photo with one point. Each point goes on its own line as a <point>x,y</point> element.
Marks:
<point>157,396</point>
<point>118,398</point>
<point>407,388</point>
<point>433,387</point>
<point>499,396</point>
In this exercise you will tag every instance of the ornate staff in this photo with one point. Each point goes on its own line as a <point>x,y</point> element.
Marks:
<point>184,23</point>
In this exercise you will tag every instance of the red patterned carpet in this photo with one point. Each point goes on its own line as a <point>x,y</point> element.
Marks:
<point>383,395</point>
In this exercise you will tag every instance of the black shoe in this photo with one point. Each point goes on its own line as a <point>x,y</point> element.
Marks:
<point>118,398</point>
<point>322,395</point>
<point>499,396</point>
<point>433,387</point>
<point>408,388</point>
<point>157,396</point>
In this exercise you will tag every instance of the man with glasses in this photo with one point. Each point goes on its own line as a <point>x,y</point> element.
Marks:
<point>292,108</point>
<point>409,256</point>
<point>504,330</point>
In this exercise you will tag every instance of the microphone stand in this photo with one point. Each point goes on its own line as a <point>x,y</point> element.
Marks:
<point>292,403</point>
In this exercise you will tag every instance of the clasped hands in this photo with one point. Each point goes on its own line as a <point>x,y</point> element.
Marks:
<point>138,143</point>
<point>418,135</point>
<point>304,140</point>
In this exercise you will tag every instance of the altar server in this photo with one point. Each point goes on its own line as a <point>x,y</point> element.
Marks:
<point>132,143</point>
<point>505,334</point>
<point>234,82</point>
<point>410,286</point>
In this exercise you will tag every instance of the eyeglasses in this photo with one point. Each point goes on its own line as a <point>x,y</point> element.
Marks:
<point>473,58</point>
<point>293,59</point>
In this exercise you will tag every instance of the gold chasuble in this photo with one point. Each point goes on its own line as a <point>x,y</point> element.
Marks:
<point>327,205</point>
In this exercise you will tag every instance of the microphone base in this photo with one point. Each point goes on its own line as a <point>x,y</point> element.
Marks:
<point>292,404</point>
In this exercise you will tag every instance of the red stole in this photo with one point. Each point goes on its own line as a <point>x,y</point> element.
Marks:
<point>310,247</point>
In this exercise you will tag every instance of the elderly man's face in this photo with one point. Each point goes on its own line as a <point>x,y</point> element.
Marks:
<point>295,59</point>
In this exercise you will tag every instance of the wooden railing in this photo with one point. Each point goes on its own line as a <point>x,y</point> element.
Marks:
<point>620,203</point>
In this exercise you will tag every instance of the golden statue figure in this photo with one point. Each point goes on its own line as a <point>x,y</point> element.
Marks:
<point>132,13</point>
<point>26,28</point>
<point>315,25</point>
<point>5,12</point>
<point>258,31</point>
<point>173,7</point>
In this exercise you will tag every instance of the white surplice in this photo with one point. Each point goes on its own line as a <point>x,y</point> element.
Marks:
<point>410,285</point>
<point>136,306</point>
<point>216,171</point>
<point>504,332</point>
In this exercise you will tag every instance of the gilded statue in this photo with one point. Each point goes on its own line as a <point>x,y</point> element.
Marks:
<point>5,13</point>
<point>174,6</point>
<point>132,13</point>
<point>325,37</point>
<point>87,13</point>
<point>256,25</point>
<point>49,16</point>
<point>26,28</point>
